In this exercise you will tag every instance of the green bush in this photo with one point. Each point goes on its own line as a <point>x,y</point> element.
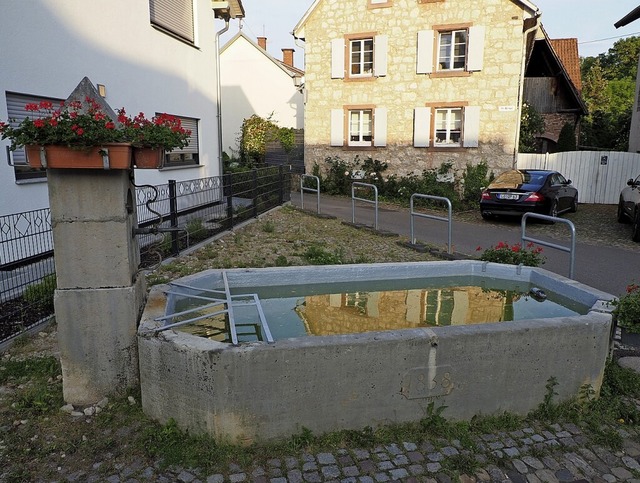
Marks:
<point>41,293</point>
<point>627,309</point>
<point>337,175</point>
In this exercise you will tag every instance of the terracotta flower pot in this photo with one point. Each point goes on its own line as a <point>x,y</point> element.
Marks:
<point>108,156</point>
<point>148,158</point>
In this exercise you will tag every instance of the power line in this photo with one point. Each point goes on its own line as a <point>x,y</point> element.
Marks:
<point>608,38</point>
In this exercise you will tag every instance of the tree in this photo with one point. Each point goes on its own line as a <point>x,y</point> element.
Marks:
<point>609,91</point>
<point>567,138</point>
<point>531,123</point>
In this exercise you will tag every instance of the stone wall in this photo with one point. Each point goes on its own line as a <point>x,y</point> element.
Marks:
<point>495,89</point>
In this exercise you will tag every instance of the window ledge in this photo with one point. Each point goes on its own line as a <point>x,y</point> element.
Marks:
<point>185,166</point>
<point>455,73</point>
<point>43,179</point>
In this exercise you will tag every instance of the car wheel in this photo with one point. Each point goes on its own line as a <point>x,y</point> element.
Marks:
<point>574,204</point>
<point>635,229</point>
<point>553,211</point>
<point>622,218</point>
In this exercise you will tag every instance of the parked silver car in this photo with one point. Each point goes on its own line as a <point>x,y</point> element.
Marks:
<point>629,207</point>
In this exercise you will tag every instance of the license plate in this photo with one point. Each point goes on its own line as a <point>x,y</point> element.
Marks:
<point>508,196</point>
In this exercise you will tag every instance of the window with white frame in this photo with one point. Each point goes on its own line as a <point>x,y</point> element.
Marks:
<point>361,55</point>
<point>190,154</point>
<point>448,127</point>
<point>360,127</point>
<point>452,50</point>
<point>174,17</point>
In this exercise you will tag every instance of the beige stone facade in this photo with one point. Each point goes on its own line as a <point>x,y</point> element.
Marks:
<point>490,93</point>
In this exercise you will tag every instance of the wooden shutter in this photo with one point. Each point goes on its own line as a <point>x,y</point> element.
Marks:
<point>475,56</point>
<point>380,47</point>
<point>421,127</point>
<point>337,127</point>
<point>424,64</point>
<point>337,59</point>
<point>380,126</point>
<point>471,131</point>
<point>173,15</point>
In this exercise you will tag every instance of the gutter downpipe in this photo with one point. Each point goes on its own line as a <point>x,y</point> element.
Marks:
<point>536,15</point>
<point>219,93</point>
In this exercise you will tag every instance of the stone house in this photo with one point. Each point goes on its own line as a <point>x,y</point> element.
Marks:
<point>244,95</point>
<point>415,83</point>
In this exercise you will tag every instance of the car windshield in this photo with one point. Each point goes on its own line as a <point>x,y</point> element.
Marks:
<point>515,179</point>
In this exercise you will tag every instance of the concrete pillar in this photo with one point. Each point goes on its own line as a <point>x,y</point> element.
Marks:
<point>100,295</point>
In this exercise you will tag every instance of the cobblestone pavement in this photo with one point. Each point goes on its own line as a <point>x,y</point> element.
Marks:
<point>557,453</point>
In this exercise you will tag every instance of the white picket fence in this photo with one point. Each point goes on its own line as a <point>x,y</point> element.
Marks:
<point>598,175</point>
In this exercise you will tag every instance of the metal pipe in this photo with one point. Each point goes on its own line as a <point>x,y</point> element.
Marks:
<point>219,92</point>
<point>526,33</point>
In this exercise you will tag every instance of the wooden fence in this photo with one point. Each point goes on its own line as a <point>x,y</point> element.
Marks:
<point>599,176</point>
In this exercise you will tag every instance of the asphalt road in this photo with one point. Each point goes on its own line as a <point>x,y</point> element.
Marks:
<point>606,268</point>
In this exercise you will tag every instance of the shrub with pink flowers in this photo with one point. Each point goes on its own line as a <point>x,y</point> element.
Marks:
<point>530,256</point>
<point>627,308</point>
<point>84,125</point>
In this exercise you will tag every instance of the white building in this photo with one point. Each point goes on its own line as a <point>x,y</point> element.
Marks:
<point>254,82</point>
<point>151,56</point>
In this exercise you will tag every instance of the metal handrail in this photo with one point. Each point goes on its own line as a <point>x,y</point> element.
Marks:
<point>218,297</point>
<point>432,217</point>
<point>571,249</point>
<point>311,190</point>
<point>358,184</point>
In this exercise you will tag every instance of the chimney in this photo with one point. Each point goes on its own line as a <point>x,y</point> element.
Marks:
<point>262,42</point>
<point>287,56</point>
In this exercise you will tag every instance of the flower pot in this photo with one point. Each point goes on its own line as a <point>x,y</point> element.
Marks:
<point>107,156</point>
<point>148,158</point>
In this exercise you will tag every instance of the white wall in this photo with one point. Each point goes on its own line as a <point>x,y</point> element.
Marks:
<point>48,46</point>
<point>599,176</point>
<point>252,83</point>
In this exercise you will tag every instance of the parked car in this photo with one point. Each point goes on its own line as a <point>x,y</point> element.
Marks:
<point>629,207</point>
<point>528,190</point>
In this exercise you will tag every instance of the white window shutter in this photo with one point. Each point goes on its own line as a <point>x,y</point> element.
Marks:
<point>476,48</point>
<point>380,44</point>
<point>337,59</point>
<point>337,127</point>
<point>471,131</point>
<point>424,63</point>
<point>380,126</point>
<point>421,127</point>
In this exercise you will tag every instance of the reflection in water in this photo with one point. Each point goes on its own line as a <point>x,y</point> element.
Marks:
<point>364,311</point>
<point>401,309</point>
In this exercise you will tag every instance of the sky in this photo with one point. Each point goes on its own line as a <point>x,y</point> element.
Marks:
<point>590,21</point>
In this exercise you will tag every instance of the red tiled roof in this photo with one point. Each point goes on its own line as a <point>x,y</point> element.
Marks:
<point>567,52</point>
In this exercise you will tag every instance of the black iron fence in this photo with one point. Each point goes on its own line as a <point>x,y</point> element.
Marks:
<point>171,217</point>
